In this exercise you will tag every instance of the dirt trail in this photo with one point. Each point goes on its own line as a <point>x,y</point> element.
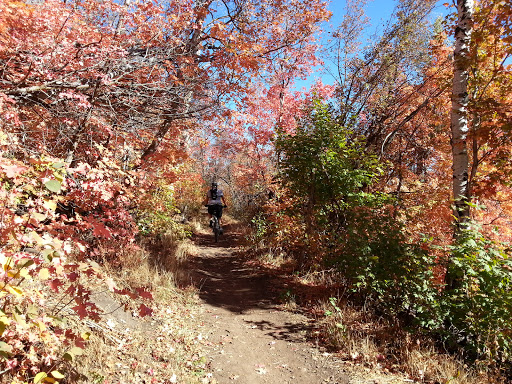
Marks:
<point>251,339</point>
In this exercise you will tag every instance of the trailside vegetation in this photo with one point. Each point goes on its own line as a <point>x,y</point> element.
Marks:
<point>396,177</point>
<point>372,184</point>
<point>332,213</point>
<point>101,103</point>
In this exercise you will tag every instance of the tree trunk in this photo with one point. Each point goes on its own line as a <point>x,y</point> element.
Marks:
<point>475,125</point>
<point>459,114</point>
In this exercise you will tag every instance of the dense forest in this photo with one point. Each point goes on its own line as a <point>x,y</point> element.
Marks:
<point>394,178</point>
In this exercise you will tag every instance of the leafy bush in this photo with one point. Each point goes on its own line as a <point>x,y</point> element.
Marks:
<point>45,259</point>
<point>478,311</point>
<point>380,265</point>
<point>327,176</point>
<point>328,215</point>
<point>156,210</point>
<point>325,166</point>
<point>260,228</point>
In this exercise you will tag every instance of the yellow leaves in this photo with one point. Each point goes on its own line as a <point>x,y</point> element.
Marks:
<point>40,377</point>
<point>4,139</point>
<point>23,274</point>
<point>4,322</point>
<point>5,349</point>
<point>36,238</point>
<point>41,325</point>
<point>49,253</point>
<point>52,245</point>
<point>46,337</point>
<point>57,374</point>
<point>16,291</point>
<point>72,353</point>
<point>44,274</point>
<point>48,379</point>
<point>43,377</point>
<point>50,205</point>
<point>20,319</point>
<point>7,262</point>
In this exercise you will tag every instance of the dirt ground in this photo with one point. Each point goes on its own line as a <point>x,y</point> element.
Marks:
<point>251,339</point>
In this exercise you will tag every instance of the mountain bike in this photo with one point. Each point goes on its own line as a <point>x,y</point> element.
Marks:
<point>216,228</point>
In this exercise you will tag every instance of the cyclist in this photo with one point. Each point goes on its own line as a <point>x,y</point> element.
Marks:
<point>215,202</point>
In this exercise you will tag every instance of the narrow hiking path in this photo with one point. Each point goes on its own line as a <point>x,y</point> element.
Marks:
<point>252,340</point>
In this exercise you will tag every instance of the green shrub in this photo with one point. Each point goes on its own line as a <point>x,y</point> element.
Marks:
<point>329,214</point>
<point>380,265</point>
<point>478,312</point>
<point>157,213</point>
<point>325,165</point>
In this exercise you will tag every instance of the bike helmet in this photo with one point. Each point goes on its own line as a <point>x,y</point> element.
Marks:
<point>214,185</point>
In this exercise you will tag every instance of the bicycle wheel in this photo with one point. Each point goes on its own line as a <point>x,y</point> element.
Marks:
<point>216,228</point>
<point>216,232</point>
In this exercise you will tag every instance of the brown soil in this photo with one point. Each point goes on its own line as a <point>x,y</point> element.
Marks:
<point>251,338</point>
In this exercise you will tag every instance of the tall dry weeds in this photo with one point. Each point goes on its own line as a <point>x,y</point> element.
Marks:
<point>361,337</point>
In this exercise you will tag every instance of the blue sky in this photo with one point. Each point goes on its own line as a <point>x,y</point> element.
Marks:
<point>378,11</point>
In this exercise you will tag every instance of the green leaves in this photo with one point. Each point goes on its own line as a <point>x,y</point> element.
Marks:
<point>58,171</point>
<point>5,349</point>
<point>480,304</point>
<point>53,185</point>
<point>72,353</point>
<point>324,164</point>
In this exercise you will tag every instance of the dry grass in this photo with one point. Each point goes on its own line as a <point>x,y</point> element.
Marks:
<point>163,348</point>
<point>275,259</point>
<point>199,226</point>
<point>323,277</point>
<point>159,264</point>
<point>156,350</point>
<point>348,330</point>
<point>375,343</point>
<point>428,365</point>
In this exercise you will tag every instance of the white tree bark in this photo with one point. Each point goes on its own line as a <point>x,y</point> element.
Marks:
<point>459,113</point>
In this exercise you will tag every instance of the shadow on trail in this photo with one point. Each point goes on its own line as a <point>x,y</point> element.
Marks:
<point>250,332</point>
<point>291,332</point>
<point>225,277</point>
